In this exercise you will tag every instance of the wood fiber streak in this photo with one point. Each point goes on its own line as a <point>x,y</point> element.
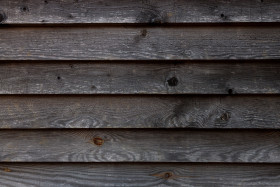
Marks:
<point>139,175</point>
<point>140,77</point>
<point>139,112</point>
<point>160,145</point>
<point>135,11</point>
<point>143,43</point>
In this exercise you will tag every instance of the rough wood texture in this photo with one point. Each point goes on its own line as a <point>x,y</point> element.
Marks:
<point>191,48</point>
<point>146,43</point>
<point>140,78</point>
<point>139,145</point>
<point>135,175</point>
<point>139,112</point>
<point>135,11</point>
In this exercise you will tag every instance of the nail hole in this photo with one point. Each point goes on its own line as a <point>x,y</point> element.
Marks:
<point>222,15</point>
<point>98,141</point>
<point>261,1</point>
<point>24,8</point>
<point>58,77</point>
<point>46,2</point>
<point>70,16</point>
<point>230,91</point>
<point>173,81</point>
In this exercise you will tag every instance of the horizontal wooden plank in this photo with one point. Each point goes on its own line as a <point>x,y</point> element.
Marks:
<point>140,77</point>
<point>145,43</point>
<point>141,145</point>
<point>139,112</point>
<point>145,174</point>
<point>134,11</point>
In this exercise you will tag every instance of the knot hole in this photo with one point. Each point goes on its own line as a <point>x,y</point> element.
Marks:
<point>173,81</point>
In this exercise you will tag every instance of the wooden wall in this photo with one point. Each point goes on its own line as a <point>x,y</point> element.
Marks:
<point>140,93</point>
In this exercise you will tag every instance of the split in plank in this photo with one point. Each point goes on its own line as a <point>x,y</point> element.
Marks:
<point>145,43</point>
<point>128,111</point>
<point>141,145</point>
<point>135,11</point>
<point>238,77</point>
<point>136,175</point>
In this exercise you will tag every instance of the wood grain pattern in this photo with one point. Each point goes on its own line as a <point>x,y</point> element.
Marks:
<point>54,54</point>
<point>135,11</point>
<point>139,112</point>
<point>258,77</point>
<point>135,175</point>
<point>141,145</point>
<point>145,43</point>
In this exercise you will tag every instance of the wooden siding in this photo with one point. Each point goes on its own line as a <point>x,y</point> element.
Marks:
<point>131,111</point>
<point>135,11</point>
<point>139,146</point>
<point>144,43</point>
<point>135,175</point>
<point>140,77</point>
<point>139,93</point>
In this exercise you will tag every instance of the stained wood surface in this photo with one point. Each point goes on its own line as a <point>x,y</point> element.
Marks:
<point>110,70</point>
<point>145,174</point>
<point>135,11</point>
<point>130,77</point>
<point>145,43</point>
<point>139,112</point>
<point>108,145</point>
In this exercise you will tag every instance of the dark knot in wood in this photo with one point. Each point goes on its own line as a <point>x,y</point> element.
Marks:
<point>172,81</point>
<point>167,175</point>
<point>225,116</point>
<point>2,17</point>
<point>98,141</point>
<point>230,91</point>
<point>144,32</point>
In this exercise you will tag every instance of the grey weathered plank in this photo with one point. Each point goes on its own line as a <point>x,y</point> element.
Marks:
<point>135,11</point>
<point>120,145</point>
<point>145,174</point>
<point>139,112</point>
<point>140,77</point>
<point>145,43</point>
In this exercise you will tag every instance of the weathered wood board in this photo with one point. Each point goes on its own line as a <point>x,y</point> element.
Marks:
<point>122,145</point>
<point>139,111</point>
<point>135,43</point>
<point>135,175</point>
<point>130,77</point>
<point>135,11</point>
<point>140,93</point>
